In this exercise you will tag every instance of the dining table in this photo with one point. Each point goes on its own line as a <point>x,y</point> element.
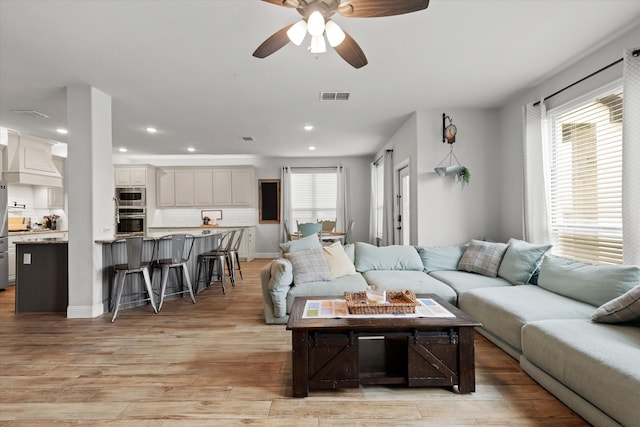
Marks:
<point>325,235</point>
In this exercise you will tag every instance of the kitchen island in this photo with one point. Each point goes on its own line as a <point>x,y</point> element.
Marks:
<point>115,253</point>
<point>42,274</point>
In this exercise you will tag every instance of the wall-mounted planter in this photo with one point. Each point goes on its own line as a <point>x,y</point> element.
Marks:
<point>449,170</point>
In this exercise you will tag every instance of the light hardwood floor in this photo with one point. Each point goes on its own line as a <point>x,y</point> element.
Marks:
<point>218,363</point>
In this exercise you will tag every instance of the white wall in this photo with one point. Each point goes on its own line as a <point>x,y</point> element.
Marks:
<point>510,121</point>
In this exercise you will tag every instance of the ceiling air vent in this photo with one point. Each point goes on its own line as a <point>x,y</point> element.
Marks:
<point>334,96</point>
<point>248,139</point>
<point>32,113</point>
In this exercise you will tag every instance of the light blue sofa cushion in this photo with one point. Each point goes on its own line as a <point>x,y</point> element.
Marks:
<point>593,284</point>
<point>598,362</point>
<point>301,244</point>
<point>350,250</point>
<point>417,281</point>
<point>395,257</point>
<point>332,289</point>
<point>504,310</point>
<point>521,260</point>
<point>279,285</point>
<point>438,258</point>
<point>625,308</point>
<point>461,281</point>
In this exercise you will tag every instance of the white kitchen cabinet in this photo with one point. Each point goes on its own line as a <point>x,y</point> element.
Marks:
<point>55,198</point>
<point>247,251</point>
<point>165,188</point>
<point>130,176</point>
<point>242,188</point>
<point>183,180</point>
<point>203,187</point>
<point>222,187</point>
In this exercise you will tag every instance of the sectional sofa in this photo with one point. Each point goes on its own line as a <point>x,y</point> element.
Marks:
<point>574,327</point>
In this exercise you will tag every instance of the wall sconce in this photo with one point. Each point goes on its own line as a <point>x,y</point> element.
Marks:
<point>459,172</point>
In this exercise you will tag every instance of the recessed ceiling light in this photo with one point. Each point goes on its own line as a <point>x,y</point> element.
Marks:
<point>152,130</point>
<point>312,148</point>
<point>62,131</point>
<point>191,149</point>
<point>122,150</point>
<point>308,128</point>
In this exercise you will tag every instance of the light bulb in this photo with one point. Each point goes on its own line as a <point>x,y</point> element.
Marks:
<point>315,24</point>
<point>318,45</point>
<point>335,35</point>
<point>297,32</point>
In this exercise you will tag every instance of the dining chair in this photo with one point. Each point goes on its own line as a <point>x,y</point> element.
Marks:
<point>287,233</point>
<point>310,228</point>
<point>328,226</point>
<point>348,235</point>
<point>174,251</point>
<point>137,261</point>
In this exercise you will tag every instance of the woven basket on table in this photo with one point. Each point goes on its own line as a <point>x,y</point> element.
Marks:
<point>399,302</point>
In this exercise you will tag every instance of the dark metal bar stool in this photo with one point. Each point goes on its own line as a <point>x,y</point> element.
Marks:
<point>174,251</point>
<point>217,256</point>
<point>135,263</point>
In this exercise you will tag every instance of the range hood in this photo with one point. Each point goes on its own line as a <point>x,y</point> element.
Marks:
<point>28,160</point>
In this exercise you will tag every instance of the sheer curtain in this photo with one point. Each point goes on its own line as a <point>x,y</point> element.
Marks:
<point>631,156</point>
<point>387,222</point>
<point>342,202</point>
<point>373,206</point>
<point>286,203</point>
<point>535,215</point>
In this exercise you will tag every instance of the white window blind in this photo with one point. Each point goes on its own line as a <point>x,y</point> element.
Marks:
<point>585,180</point>
<point>313,195</point>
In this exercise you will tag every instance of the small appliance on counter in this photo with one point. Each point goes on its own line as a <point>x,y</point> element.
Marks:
<point>210,218</point>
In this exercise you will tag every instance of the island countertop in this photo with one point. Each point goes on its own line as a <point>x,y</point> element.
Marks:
<point>43,241</point>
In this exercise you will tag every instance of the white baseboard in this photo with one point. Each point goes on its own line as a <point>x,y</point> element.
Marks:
<point>84,311</point>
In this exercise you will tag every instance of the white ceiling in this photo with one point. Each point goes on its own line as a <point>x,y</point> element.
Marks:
<point>185,67</point>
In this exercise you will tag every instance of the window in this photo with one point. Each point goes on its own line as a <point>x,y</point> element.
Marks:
<point>313,195</point>
<point>585,180</point>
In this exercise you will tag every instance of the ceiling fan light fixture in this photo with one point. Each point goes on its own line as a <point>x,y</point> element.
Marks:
<point>335,35</point>
<point>315,24</point>
<point>318,44</point>
<point>297,32</point>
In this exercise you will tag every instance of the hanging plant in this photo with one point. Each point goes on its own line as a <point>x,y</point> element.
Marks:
<point>463,176</point>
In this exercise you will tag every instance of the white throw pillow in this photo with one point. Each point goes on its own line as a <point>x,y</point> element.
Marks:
<point>338,260</point>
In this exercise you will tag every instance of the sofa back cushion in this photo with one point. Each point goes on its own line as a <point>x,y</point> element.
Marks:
<point>593,284</point>
<point>521,260</point>
<point>440,258</point>
<point>301,244</point>
<point>396,257</point>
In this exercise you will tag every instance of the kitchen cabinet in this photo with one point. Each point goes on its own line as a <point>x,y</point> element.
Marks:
<point>247,251</point>
<point>183,181</point>
<point>166,188</point>
<point>130,176</point>
<point>242,187</point>
<point>203,187</point>
<point>222,187</point>
<point>55,198</point>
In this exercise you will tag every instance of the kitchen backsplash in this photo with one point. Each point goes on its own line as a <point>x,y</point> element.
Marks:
<point>191,217</point>
<point>24,195</point>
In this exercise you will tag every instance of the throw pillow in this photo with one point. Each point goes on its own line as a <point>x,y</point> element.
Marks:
<point>301,244</point>
<point>625,308</point>
<point>338,260</point>
<point>439,258</point>
<point>521,260</point>
<point>482,257</point>
<point>309,265</point>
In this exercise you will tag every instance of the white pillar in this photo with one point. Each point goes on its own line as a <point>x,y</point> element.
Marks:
<point>90,190</point>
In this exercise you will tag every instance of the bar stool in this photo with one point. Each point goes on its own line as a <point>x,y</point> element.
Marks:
<point>174,251</point>
<point>234,254</point>
<point>134,264</point>
<point>207,261</point>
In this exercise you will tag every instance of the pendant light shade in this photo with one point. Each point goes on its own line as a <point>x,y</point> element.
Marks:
<point>335,35</point>
<point>318,44</point>
<point>315,24</point>
<point>297,32</point>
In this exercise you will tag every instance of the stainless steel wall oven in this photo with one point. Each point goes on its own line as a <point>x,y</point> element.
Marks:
<point>130,196</point>
<point>132,220</point>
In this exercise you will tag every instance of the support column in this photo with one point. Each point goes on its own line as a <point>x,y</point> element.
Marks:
<point>90,191</point>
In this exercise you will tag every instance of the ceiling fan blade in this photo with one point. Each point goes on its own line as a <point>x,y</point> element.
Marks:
<point>277,41</point>
<point>285,3</point>
<point>378,8</point>
<point>351,52</point>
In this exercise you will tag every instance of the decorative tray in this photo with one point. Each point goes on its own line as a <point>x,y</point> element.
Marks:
<point>396,302</point>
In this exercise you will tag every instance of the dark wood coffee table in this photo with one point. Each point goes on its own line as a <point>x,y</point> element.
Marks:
<point>349,352</point>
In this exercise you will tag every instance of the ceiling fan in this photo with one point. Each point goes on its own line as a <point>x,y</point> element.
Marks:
<point>316,20</point>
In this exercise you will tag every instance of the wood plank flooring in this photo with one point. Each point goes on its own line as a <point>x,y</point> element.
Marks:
<point>218,363</point>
